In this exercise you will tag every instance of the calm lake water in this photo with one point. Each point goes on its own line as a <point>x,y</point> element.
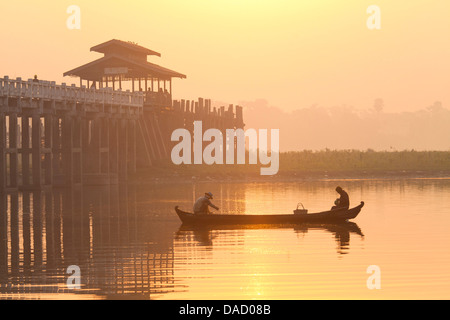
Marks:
<point>128,243</point>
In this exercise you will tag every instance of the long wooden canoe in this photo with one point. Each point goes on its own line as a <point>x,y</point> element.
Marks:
<point>325,216</point>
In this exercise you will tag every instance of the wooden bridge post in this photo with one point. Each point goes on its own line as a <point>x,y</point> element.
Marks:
<point>95,152</point>
<point>48,145</point>
<point>13,154</point>
<point>104,146</point>
<point>132,146</point>
<point>3,232</point>
<point>2,153</point>
<point>113,145</point>
<point>36,149</point>
<point>56,150</point>
<point>67,146</point>
<point>77,156</point>
<point>85,148</point>
<point>123,148</point>
<point>96,131</point>
<point>25,151</point>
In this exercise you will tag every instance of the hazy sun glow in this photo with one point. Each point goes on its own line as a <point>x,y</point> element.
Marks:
<point>293,53</point>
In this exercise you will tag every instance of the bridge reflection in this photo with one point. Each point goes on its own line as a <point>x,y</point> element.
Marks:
<point>119,252</point>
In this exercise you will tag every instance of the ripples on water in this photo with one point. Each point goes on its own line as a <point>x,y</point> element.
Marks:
<point>129,244</point>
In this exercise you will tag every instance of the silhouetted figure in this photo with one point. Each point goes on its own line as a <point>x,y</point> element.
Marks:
<point>202,204</point>
<point>166,96</point>
<point>343,201</point>
<point>160,96</point>
<point>35,80</point>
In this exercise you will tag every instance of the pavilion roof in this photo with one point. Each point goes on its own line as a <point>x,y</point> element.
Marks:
<point>107,46</point>
<point>126,65</point>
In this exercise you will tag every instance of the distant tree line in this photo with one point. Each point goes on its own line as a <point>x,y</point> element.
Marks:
<point>345,127</point>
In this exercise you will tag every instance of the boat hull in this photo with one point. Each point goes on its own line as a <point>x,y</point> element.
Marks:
<point>326,216</point>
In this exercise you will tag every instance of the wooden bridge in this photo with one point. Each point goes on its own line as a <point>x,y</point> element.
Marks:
<point>63,135</point>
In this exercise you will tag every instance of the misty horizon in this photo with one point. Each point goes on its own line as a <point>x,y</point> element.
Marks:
<point>376,127</point>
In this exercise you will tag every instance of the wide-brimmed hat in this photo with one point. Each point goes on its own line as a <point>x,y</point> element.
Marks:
<point>209,194</point>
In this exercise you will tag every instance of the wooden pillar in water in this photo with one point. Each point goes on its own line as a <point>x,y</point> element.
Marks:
<point>132,146</point>
<point>25,151</point>
<point>13,150</point>
<point>77,156</point>
<point>123,148</point>
<point>67,146</point>
<point>95,145</point>
<point>3,229</point>
<point>113,145</point>
<point>104,146</point>
<point>56,148</point>
<point>36,149</point>
<point>85,147</point>
<point>2,156</point>
<point>48,144</point>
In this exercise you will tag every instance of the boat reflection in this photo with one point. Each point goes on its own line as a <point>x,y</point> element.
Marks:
<point>204,234</point>
<point>341,232</point>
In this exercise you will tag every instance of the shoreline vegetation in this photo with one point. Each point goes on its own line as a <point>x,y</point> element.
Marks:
<point>312,165</point>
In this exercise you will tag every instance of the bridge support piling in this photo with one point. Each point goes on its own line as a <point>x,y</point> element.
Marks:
<point>131,146</point>
<point>2,152</point>
<point>13,154</point>
<point>123,148</point>
<point>67,149</point>
<point>26,151</point>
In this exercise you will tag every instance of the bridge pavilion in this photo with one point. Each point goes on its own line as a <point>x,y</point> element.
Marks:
<point>125,61</point>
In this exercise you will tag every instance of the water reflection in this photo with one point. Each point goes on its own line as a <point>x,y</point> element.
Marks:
<point>127,241</point>
<point>341,231</point>
<point>204,235</point>
<point>97,229</point>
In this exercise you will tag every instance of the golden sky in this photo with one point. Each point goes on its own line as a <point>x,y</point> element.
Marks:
<point>294,53</point>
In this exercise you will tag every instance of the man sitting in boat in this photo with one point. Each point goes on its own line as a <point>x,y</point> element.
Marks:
<point>202,204</point>
<point>343,201</point>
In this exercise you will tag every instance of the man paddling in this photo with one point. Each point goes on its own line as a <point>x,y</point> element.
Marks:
<point>202,204</point>
<point>343,201</point>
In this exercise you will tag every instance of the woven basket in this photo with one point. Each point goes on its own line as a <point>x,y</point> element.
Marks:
<point>300,211</point>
